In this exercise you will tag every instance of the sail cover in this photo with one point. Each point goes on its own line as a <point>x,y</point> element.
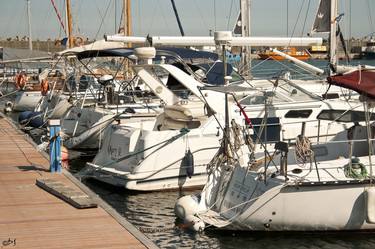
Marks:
<point>322,21</point>
<point>361,81</point>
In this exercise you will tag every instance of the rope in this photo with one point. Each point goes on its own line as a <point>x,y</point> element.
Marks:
<point>303,151</point>
<point>355,169</point>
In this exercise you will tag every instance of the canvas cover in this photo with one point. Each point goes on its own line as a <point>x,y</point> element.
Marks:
<point>361,81</point>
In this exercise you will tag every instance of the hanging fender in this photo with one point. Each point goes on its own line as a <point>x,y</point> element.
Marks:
<point>188,163</point>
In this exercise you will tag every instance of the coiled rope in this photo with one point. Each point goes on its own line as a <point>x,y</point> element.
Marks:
<point>303,151</point>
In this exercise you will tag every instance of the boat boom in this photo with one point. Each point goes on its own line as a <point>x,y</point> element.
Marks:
<point>121,38</point>
<point>210,41</point>
<point>304,65</point>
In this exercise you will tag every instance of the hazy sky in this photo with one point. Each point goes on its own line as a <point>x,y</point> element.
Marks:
<point>93,18</point>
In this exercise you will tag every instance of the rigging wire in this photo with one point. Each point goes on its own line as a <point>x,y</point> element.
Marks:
<point>45,20</point>
<point>230,13</point>
<point>115,14</point>
<point>61,26</point>
<point>103,19</point>
<point>298,16</point>
<point>139,17</point>
<point>215,15</point>
<point>120,23</point>
<point>200,14</point>
<point>164,19</point>
<point>370,16</point>
<point>304,22</point>
<point>152,18</point>
<point>76,16</point>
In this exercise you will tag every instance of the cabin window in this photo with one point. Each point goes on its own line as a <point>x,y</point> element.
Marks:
<point>272,133</point>
<point>343,116</point>
<point>330,96</point>
<point>298,113</point>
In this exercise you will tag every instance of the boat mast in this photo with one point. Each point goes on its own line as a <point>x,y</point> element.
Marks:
<point>245,32</point>
<point>178,18</point>
<point>126,9</point>
<point>332,38</point>
<point>29,22</point>
<point>69,20</point>
<point>128,19</point>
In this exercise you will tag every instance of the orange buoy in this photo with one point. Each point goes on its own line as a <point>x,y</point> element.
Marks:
<point>64,157</point>
<point>44,87</point>
<point>21,80</point>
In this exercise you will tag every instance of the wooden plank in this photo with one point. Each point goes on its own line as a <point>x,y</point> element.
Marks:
<point>34,218</point>
<point>76,198</point>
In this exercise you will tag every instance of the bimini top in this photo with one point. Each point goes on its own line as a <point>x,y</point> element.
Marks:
<point>168,52</point>
<point>361,81</point>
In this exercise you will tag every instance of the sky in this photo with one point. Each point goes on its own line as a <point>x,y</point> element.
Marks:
<point>94,18</point>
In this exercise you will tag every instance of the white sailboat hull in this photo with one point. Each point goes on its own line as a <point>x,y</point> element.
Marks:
<point>26,100</point>
<point>155,169</point>
<point>330,202</point>
<point>325,208</point>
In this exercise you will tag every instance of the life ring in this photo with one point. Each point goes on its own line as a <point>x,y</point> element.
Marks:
<point>121,31</point>
<point>21,81</point>
<point>78,41</point>
<point>44,87</point>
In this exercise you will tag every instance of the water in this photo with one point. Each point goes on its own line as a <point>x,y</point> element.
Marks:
<point>153,214</point>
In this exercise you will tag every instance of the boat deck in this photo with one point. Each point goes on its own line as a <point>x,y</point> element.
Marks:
<point>30,217</point>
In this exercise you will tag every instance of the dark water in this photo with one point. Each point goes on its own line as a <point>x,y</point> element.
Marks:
<point>153,213</point>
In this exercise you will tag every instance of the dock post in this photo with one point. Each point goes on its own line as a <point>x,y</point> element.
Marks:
<point>55,145</point>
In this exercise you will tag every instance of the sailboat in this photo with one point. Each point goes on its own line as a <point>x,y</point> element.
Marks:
<point>368,51</point>
<point>324,186</point>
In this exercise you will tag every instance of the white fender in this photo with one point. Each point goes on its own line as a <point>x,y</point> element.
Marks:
<point>370,204</point>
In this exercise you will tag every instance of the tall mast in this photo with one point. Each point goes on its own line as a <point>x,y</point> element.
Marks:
<point>69,20</point>
<point>128,19</point>
<point>245,32</point>
<point>126,13</point>
<point>29,20</point>
<point>332,35</point>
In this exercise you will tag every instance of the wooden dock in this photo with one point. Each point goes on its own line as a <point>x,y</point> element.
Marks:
<point>30,217</point>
